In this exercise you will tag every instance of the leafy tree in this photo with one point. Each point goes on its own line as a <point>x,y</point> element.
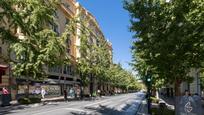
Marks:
<point>37,45</point>
<point>94,58</point>
<point>123,79</point>
<point>168,38</point>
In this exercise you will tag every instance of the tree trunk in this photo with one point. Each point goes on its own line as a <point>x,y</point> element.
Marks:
<point>177,88</point>
<point>177,94</point>
<point>157,94</point>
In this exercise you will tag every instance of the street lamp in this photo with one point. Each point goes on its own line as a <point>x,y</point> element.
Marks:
<point>148,83</point>
<point>168,1</point>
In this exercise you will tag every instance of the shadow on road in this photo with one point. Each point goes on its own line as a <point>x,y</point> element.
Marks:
<point>102,110</point>
<point>16,108</point>
<point>11,109</point>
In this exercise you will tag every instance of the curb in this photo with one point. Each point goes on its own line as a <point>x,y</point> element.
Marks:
<point>140,106</point>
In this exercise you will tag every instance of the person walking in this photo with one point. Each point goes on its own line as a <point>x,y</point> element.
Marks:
<point>5,91</point>
<point>6,97</point>
<point>43,93</point>
<point>198,104</point>
<point>65,94</point>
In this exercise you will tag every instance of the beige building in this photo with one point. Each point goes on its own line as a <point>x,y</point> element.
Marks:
<point>64,77</point>
<point>59,77</point>
<point>94,37</point>
<point>193,87</point>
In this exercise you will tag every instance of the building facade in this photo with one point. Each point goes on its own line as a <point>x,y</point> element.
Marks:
<point>95,37</point>
<point>60,77</point>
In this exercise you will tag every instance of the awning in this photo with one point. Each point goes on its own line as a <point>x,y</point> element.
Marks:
<point>3,67</point>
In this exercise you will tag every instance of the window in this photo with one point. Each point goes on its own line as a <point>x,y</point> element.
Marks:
<point>54,27</point>
<point>53,77</point>
<point>68,41</point>
<point>67,21</point>
<point>66,5</point>
<point>97,42</point>
<point>68,70</point>
<point>65,70</point>
<point>2,72</point>
<point>62,78</point>
<point>56,15</point>
<point>69,79</point>
<point>68,51</point>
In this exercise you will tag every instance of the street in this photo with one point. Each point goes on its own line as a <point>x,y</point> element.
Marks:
<point>124,104</point>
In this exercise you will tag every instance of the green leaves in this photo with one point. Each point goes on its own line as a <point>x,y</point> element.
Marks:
<point>37,45</point>
<point>96,61</point>
<point>166,37</point>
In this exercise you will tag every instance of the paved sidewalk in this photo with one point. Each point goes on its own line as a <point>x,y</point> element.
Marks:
<point>170,102</point>
<point>143,110</point>
<point>60,98</point>
<point>16,105</point>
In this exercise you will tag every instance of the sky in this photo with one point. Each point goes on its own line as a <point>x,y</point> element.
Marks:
<point>114,23</point>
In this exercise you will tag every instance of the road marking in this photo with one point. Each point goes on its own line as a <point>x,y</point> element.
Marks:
<point>95,103</point>
<point>70,109</point>
<point>75,109</point>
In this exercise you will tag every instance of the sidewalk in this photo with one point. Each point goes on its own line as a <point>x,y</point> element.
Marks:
<point>15,105</point>
<point>47,100</point>
<point>60,98</point>
<point>143,110</point>
<point>169,101</point>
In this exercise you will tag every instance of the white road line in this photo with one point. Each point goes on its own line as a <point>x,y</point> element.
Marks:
<point>70,109</point>
<point>75,109</point>
<point>96,103</point>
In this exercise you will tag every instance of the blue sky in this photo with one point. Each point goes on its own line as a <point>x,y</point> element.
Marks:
<point>114,22</point>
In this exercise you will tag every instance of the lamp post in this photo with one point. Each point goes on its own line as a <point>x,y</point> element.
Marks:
<point>148,82</point>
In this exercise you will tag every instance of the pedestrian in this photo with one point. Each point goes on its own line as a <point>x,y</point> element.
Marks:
<point>186,104</point>
<point>5,91</point>
<point>198,104</point>
<point>78,93</point>
<point>65,94</point>
<point>43,93</point>
<point>71,91</point>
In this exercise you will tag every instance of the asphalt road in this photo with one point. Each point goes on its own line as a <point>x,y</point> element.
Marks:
<point>124,104</point>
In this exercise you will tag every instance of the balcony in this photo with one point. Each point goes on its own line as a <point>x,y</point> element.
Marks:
<point>68,7</point>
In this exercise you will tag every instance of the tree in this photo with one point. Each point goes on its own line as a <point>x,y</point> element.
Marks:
<point>122,78</point>
<point>168,38</point>
<point>37,45</point>
<point>94,58</point>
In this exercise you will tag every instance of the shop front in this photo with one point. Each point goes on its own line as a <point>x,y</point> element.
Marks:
<point>35,87</point>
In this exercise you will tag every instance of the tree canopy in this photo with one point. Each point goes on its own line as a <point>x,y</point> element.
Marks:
<point>168,37</point>
<point>35,45</point>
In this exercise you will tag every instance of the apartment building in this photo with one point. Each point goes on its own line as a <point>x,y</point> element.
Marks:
<point>64,76</point>
<point>60,77</point>
<point>94,37</point>
<point>5,80</point>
